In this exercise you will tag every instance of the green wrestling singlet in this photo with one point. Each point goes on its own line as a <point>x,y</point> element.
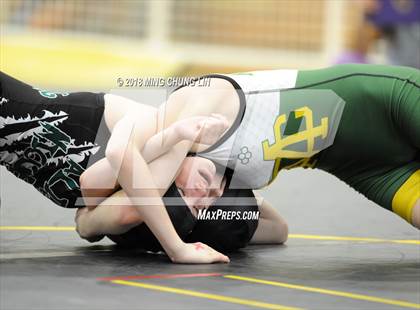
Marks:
<point>360,123</point>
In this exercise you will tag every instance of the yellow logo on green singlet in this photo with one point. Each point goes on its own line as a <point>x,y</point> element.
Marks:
<point>277,150</point>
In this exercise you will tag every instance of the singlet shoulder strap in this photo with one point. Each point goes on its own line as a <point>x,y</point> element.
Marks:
<point>239,116</point>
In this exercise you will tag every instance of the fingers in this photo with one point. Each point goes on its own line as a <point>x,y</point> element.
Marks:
<point>221,258</point>
<point>216,257</point>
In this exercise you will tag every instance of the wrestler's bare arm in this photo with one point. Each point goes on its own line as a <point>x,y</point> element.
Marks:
<point>121,215</point>
<point>186,103</point>
<point>116,214</point>
<point>99,181</point>
<point>146,198</point>
<point>125,159</point>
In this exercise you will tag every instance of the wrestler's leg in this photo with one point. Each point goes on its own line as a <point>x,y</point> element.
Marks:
<point>406,200</point>
<point>378,142</point>
<point>415,217</point>
<point>408,119</point>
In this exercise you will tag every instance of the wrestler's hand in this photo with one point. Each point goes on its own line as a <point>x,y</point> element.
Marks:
<point>203,129</point>
<point>198,253</point>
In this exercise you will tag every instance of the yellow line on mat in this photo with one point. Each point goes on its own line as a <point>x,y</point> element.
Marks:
<point>291,236</point>
<point>361,239</point>
<point>240,301</point>
<point>328,292</point>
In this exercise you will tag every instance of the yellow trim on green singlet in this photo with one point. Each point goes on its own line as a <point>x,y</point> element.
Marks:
<point>406,196</point>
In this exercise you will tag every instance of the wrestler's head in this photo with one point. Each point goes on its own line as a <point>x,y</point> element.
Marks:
<point>199,182</point>
<point>203,184</point>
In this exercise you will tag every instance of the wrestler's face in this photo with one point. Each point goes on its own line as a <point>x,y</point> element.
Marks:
<point>199,183</point>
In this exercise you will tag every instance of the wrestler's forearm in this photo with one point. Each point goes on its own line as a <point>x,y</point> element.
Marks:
<point>144,195</point>
<point>114,215</point>
<point>161,143</point>
<point>99,181</point>
<point>155,144</point>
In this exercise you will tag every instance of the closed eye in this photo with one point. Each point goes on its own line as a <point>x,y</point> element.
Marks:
<point>206,176</point>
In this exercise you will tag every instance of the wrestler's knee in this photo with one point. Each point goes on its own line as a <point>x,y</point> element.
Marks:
<point>415,215</point>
